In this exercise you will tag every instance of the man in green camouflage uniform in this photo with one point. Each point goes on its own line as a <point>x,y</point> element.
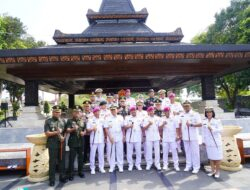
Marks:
<point>54,129</point>
<point>158,110</point>
<point>76,128</point>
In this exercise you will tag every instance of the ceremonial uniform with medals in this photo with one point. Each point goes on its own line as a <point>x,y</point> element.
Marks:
<point>190,137</point>
<point>75,143</point>
<point>169,137</point>
<point>133,139</point>
<point>114,126</point>
<point>152,140</point>
<point>96,141</point>
<point>55,145</point>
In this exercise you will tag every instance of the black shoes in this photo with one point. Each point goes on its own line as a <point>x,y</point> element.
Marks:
<point>81,175</point>
<point>63,179</point>
<point>51,183</point>
<point>71,178</point>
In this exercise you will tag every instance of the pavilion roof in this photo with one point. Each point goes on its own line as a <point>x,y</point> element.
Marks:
<point>117,22</point>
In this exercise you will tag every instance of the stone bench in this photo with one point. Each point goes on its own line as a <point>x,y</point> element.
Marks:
<point>15,157</point>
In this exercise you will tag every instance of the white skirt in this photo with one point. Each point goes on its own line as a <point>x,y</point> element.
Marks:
<point>214,153</point>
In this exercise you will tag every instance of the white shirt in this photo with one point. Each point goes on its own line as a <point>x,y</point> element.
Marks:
<point>190,133</point>
<point>169,129</point>
<point>105,113</point>
<point>133,134</point>
<point>176,107</point>
<point>99,99</point>
<point>164,102</point>
<point>152,133</point>
<point>98,135</point>
<point>141,113</point>
<point>217,128</point>
<point>130,102</point>
<point>115,125</point>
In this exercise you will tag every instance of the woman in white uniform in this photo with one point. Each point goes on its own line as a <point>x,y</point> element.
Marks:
<point>212,129</point>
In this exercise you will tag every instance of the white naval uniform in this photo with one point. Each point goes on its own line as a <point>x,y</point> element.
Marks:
<point>177,108</point>
<point>190,137</point>
<point>134,139</point>
<point>212,139</point>
<point>115,125</point>
<point>105,113</point>
<point>143,114</point>
<point>165,102</point>
<point>169,139</point>
<point>96,142</point>
<point>152,140</point>
<point>99,99</point>
<point>130,102</point>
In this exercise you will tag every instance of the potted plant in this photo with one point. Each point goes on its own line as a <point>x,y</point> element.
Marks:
<point>46,108</point>
<point>15,109</point>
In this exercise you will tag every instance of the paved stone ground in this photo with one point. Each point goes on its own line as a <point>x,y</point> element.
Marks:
<point>135,180</point>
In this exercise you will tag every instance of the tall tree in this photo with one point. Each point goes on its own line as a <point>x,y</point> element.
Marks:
<point>232,26</point>
<point>13,35</point>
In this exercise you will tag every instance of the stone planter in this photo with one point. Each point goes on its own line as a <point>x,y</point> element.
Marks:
<point>39,164</point>
<point>231,155</point>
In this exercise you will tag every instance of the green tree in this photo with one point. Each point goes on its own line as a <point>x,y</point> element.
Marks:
<point>232,26</point>
<point>15,91</point>
<point>13,35</point>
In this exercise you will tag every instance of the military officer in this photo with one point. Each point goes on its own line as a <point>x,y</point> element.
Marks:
<point>130,101</point>
<point>170,135</point>
<point>92,100</point>
<point>76,128</point>
<point>142,114</point>
<point>87,114</point>
<point>150,101</point>
<point>151,127</point>
<point>123,109</point>
<point>115,138</point>
<point>158,106</point>
<point>99,98</point>
<point>133,124</point>
<point>176,110</point>
<point>95,127</point>
<point>54,129</point>
<point>165,100</point>
<point>104,112</point>
<point>109,100</point>
<point>190,121</point>
<point>211,133</point>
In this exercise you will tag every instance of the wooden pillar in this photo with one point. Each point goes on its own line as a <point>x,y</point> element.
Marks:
<point>71,100</point>
<point>31,93</point>
<point>208,88</point>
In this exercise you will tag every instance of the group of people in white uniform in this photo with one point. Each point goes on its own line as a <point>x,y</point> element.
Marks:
<point>143,130</point>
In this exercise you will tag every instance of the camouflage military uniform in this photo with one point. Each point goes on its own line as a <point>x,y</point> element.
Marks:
<point>55,147</point>
<point>158,113</point>
<point>75,144</point>
<point>149,102</point>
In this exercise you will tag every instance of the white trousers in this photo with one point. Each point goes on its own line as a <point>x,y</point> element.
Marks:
<point>149,153</point>
<point>166,147</point>
<point>130,150</point>
<point>192,151</point>
<point>93,149</point>
<point>115,154</point>
<point>178,145</point>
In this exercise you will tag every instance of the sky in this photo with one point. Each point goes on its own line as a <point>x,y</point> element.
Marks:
<point>43,17</point>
